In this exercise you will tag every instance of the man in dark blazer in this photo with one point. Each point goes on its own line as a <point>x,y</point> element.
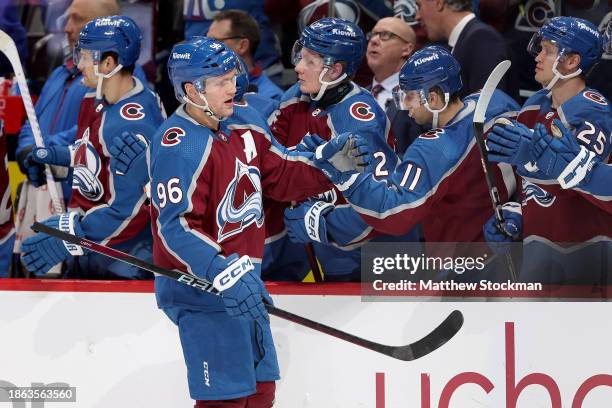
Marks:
<point>390,44</point>
<point>477,46</point>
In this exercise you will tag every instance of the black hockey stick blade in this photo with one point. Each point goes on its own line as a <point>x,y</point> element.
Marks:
<point>439,336</point>
<point>434,340</point>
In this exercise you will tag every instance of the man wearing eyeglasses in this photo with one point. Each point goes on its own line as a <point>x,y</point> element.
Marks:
<point>390,43</point>
<point>240,33</point>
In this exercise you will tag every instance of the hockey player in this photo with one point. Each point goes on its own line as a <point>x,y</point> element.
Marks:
<point>210,165</point>
<point>557,220</point>
<point>439,181</point>
<point>105,206</point>
<point>326,102</point>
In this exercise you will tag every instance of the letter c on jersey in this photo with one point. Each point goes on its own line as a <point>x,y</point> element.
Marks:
<point>172,136</point>
<point>362,111</point>
<point>132,111</point>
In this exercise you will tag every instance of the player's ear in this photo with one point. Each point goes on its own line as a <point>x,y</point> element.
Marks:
<point>191,91</point>
<point>571,62</point>
<point>335,71</point>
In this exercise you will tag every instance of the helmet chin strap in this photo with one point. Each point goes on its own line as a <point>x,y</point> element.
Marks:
<point>326,84</point>
<point>436,112</point>
<point>204,107</point>
<point>102,77</point>
<point>559,75</point>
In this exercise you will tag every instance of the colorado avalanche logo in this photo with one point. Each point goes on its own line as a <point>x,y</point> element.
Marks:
<point>132,111</point>
<point>172,136</point>
<point>536,14</point>
<point>537,194</point>
<point>432,134</point>
<point>242,203</point>
<point>86,171</point>
<point>595,97</point>
<point>361,111</point>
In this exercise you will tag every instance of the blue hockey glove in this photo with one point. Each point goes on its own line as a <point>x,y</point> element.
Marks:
<point>306,222</point>
<point>242,290</point>
<point>512,225</point>
<point>510,142</point>
<point>41,252</point>
<point>56,155</point>
<point>129,152</point>
<point>34,171</point>
<point>562,158</point>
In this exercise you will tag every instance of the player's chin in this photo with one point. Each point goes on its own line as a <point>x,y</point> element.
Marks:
<point>305,88</point>
<point>228,108</point>
<point>541,78</point>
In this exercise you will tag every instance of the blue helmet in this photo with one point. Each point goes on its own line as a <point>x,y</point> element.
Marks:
<point>118,34</point>
<point>429,67</point>
<point>242,81</point>
<point>335,40</point>
<point>571,35</point>
<point>198,59</point>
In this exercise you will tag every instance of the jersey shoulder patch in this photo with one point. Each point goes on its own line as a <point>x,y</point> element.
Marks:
<point>361,111</point>
<point>432,134</point>
<point>595,97</point>
<point>132,111</point>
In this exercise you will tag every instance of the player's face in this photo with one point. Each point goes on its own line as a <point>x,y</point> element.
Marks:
<point>308,70</point>
<point>545,61</point>
<point>220,92</point>
<point>428,17</point>
<point>86,66</point>
<point>416,108</point>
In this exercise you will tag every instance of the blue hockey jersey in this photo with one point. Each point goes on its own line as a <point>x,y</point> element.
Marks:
<point>357,111</point>
<point>113,205</point>
<point>440,182</point>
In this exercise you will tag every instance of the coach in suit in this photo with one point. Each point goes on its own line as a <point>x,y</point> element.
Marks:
<point>476,45</point>
<point>390,44</point>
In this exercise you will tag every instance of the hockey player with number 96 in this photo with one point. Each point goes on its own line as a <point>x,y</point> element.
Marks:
<point>210,164</point>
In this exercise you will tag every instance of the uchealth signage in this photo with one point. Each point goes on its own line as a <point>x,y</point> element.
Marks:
<point>111,343</point>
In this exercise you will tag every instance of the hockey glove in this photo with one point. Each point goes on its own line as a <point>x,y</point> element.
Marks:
<point>41,252</point>
<point>510,142</point>
<point>511,228</point>
<point>306,222</point>
<point>346,152</point>
<point>129,152</point>
<point>54,155</point>
<point>242,290</point>
<point>34,171</point>
<point>562,158</point>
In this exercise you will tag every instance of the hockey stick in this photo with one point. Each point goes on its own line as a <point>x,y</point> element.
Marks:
<point>8,48</point>
<point>479,117</point>
<point>439,336</point>
<point>317,275</point>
